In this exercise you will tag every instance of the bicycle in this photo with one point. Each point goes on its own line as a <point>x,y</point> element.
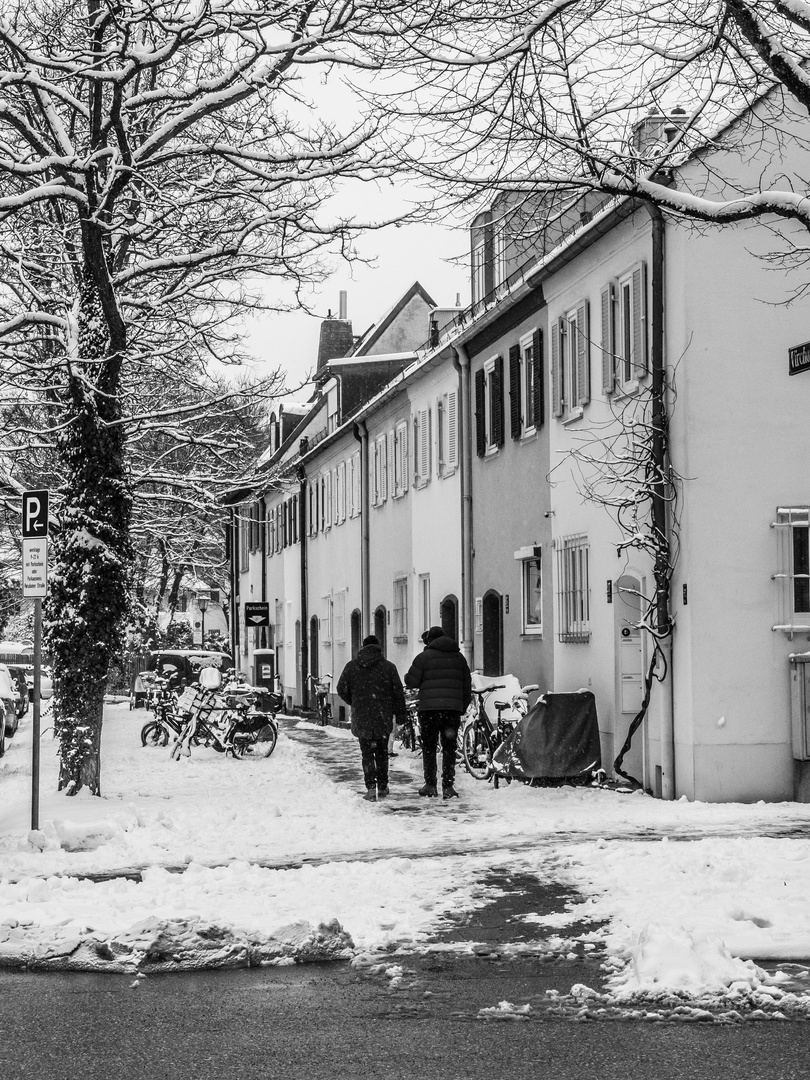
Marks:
<point>480,738</point>
<point>410,735</point>
<point>321,688</point>
<point>225,721</point>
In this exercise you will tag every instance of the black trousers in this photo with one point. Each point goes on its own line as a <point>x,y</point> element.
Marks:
<point>375,761</point>
<point>439,725</point>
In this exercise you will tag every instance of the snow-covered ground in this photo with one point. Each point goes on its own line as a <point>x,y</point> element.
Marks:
<point>208,861</point>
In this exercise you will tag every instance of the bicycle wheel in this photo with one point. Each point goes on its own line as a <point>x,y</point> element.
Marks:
<point>154,734</point>
<point>477,751</point>
<point>263,747</point>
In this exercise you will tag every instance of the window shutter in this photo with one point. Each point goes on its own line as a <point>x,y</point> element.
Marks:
<point>356,481</point>
<point>514,391</point>
<point>393,487</point>
<point>402,452</point>
<point>497,402</point>
<point>608,349</point>
<point>583,347</point>
<point>452,430</point>
<point>640,320</point>
<point>424,444</point>
<point>537,375</point>
<point>556,374</point>
<point>480,416</point>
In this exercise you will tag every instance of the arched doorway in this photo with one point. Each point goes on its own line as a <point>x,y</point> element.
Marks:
<point>380,627</point>
<point>493,633</point>
<point>356,631</point>
<point>313,646</point>
<point>448,611</point>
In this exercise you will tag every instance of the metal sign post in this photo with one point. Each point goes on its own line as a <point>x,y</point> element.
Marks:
<point>35,584</point>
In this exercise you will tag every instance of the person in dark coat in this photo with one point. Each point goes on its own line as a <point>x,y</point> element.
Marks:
<point>371,685</point>
<point>442,676</point>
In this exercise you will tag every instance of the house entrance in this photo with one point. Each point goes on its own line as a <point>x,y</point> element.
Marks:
<point>313,647</point>
<point>380,624</point>
<point>448,610</point>
<point>629,648</point>
<point>492,612</point>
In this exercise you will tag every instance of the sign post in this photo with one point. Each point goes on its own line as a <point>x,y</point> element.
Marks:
<point>35,585</point>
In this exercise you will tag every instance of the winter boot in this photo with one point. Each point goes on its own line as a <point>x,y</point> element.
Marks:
<point>429,790</point>
<point>449,792</point>
<point>382,792</point>
<point>371,795</point>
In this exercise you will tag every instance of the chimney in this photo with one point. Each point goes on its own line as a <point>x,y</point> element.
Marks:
<point>343,304</point>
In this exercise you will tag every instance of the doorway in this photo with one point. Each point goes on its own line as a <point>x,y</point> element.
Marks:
<point>380,627</point>
<point>313,647</point>
<point>629,648</point>
<point>356,631</point>
<point>448,612</point>
<point>493,633</point>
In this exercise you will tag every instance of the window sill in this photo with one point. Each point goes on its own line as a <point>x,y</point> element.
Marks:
<point>629,389</point>
<point>574,415</point>
<point>491,452</point>
<point>532,635</point>
<point>529,435</point>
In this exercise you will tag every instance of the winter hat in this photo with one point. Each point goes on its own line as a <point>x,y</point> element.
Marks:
<point>372,639</point>
<point>433,633</point>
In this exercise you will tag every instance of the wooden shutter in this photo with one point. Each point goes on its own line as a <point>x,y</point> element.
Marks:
<point>556,374</point>
<point>480,414</point>
<point>357,482</point>
<point>539,380</point>
<point>514,391</point>
<point>393,486</point>
<point>583,355</point>
<point>452,430</point>
<point>402,452</point>
<point>640,320</point>
<point>424,445</point>
<point>608,348</point>
<point>497,402</point>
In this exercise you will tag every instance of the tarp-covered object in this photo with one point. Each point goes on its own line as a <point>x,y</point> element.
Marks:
<point>557,738</point>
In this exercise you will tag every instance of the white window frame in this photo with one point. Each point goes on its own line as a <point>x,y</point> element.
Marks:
<point>341,492</point>
<point>424,601</point>
<point>573,588</point>
<point>569,368</point>
<point>499,243</point>
<point>400,609</point>
<point>447,435</point>
<point>326,619</point>
<point>380,471</point>
<point>339,616</point>
<point>489,427</point>
<point>356,485</point>
<point>479,265</point>
<point>531,564</point>
<point>792,524</point>
<point>399,486</point>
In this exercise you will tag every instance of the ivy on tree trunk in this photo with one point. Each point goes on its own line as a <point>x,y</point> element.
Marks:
<point>91,555</point>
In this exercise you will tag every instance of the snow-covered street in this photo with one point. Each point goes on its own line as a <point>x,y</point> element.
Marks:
<point>210,861</point>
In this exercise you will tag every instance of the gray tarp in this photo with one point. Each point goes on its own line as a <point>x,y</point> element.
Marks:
<point>558,737</point>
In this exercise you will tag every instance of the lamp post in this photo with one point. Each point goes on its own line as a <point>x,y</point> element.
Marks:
<point>203,598</point>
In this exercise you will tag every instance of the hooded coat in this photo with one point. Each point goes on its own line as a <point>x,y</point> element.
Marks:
<point>442,676</point>
<point>371,685</point>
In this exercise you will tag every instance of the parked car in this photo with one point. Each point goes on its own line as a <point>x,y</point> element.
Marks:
<point>184,664</point>
<point>9,695</point>
<point>20,681</point>
<point>45,681</point>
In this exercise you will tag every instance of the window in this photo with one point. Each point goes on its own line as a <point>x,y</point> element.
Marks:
<point>255,520</point>
<point>571,362</point>
<point>447,417</point>
<point>326,495</point>
<point>624,331</point>
<point>573,589</point>
<point>270,525</point>
<point>326,619</point>
<point>400,459</point>
<point>489,406</point>
<point>355,485</point>
<point>793,534</point>
<point>531,572</point>
<point>499,242</point>
<point>279,527</point>
<point>526,385</point>
<point>339,615</point>
<point>422,422</point>
<point>341,492</point>
<point>400,609</point>
<point>479,265</point>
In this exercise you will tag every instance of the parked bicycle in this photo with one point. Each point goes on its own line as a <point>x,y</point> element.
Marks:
<point>320,688</point>
<point>226,720</point>
<point>480,737</point>
<point>410,735</point>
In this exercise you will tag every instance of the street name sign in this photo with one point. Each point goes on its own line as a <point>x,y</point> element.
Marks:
<point>257,613</point>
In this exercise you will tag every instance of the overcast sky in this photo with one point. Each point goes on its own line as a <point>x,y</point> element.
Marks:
<point>436,257</point>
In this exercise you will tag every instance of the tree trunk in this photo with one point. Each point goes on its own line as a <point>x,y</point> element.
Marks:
<point>92,553</point>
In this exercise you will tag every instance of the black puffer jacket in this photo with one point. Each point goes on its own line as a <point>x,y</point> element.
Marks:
<point>372,686</point>
<point>442,676</point>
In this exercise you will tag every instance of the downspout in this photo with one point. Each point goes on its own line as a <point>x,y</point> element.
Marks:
<point>462,363</point>
<point>263,634</point>
<point>660,504</point>
<point>361,434</point>
<point>302,539</point>
<point>233,569</point>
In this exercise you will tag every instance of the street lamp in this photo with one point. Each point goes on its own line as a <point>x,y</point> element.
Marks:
<point>203,598</point>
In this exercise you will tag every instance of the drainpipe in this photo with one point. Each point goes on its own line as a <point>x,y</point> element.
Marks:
<point>263,633</point>
<point>462,363</point>
<point>660,503</point>
<point>233,569</point>
<point>302,540</point>
<point>361,434</point>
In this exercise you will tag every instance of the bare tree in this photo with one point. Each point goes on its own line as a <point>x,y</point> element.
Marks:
<point>154,158</point>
